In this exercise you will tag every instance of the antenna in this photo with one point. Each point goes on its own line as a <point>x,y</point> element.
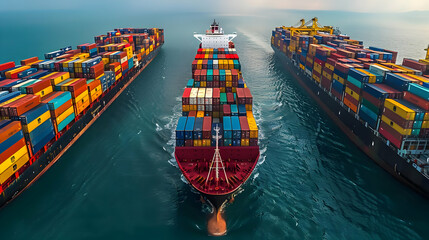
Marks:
<point>217,159</point>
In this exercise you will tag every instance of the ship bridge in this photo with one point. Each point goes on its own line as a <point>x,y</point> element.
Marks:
<point>215,37</point>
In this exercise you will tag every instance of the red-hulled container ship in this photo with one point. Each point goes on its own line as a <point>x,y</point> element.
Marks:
<point>46,105</point>
<point>217,136</point>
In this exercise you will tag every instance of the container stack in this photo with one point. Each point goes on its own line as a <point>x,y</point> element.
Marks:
<point>61,107</point>
<point>386,96</point>
<point>13,148</point>
<point>41,99</point>
<point>216,96</point>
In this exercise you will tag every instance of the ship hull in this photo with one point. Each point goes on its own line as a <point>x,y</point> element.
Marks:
<point>365,138</point>
<point>217,198</point>
<point>63,143</point>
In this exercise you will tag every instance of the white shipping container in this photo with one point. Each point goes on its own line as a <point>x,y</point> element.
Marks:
<point>124,59</point>
<point>209,96</point>
<point>200,107</point>
<point>201,95</point>
<point>193,96</point>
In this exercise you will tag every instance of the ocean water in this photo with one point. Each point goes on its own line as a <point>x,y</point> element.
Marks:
<point>120,180</point>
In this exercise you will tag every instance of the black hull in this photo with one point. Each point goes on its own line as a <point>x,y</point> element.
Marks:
<point>59,147</point>
<point>364,137</point>
<point>218,200</point>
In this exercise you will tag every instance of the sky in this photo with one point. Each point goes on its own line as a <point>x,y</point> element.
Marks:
<point>230,6</point>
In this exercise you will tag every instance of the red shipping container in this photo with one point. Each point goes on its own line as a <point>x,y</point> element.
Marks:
<point>353,87</point>
<point>378,103</point>
<point>248,94</point>
<point>23,105</point>
<point>79,91</point>
<point>230,98</point>
<point>12,150</point>
<point>29,61</point>
<point>50,96</point>
<point>196,76</point>
<point>415,64</point>
<point>185,96</point>
<point>241,97</point>
<point>57,112</point>
<point>203,75</point>
<point>38,86</point>
<point>9,130</point>
<point>226,110</point>
<point>77,85</point>
<point>207,124</point>
<point>390,134</point>
<point>245,130</point>
<point>216,96</point>
<point>408,124</point>
<point>416,100</point>
<point>97,67</point>
<point>326,83</point>
<point>7,65</point>
<point>393,93</point>
<point>351,99</point>
<point>192,114</point>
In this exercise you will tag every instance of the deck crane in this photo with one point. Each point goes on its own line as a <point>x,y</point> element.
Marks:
<point>311,27</point>
<point>427,53</point>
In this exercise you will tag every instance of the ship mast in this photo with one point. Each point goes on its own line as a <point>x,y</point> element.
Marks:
<point>217,159</point>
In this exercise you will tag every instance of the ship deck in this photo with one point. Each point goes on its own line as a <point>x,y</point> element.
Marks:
<point>238,162</point>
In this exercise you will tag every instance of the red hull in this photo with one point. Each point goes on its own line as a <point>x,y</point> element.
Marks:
<point>194,162</point>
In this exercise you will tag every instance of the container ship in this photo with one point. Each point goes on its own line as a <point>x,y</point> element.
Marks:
<point>46,105</point>
<point>217,136</point>
<point>382,106</point>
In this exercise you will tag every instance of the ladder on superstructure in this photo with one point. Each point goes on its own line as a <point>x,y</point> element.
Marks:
<point>217,160</point>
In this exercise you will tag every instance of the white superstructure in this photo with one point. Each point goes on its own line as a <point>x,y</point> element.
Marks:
<point>214,37</point>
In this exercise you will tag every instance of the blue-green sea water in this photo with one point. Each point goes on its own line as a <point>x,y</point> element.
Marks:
<point>120,180</point>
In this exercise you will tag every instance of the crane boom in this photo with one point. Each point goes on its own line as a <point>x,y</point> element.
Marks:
<point>312,29</point>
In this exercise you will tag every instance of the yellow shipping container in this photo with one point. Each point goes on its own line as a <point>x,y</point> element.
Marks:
<point>48,75</point>
<point>6,173</point>
<point>28,128</point>
<point>248,107</point>
<point>352,93</point>
<point>20,69</point>
<point>252,127</point>
<point>197,143</point>
<point>185,108</point>
<point>12,100</point>
<point>64,115</point>
<point>193,107</point>
<point>95,93</point>
<point>200,114</point>
<point>11,159</point>
<point>372,77</point>
<point>403,111</point>
<point>147,51</point>
<point>230,64</point>
<point>45,91</point>
<point>80,97</point>
<point>329,66</point>
<point>206,143</point>
<point>395,126</point>
<point>118,76</point>
<point>59,78</point>
<point>316,78</point>
<point>102,75</point>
